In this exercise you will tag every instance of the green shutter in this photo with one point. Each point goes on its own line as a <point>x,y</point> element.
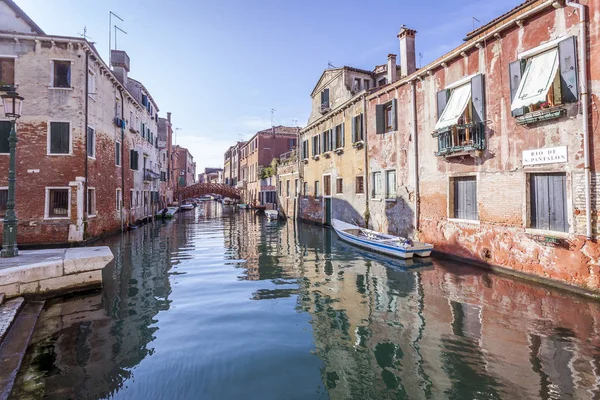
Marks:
<point>394,116</point>
<point>4,134</point>
<point>379,119</point>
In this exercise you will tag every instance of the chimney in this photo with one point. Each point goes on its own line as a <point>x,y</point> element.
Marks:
<point>119,60</point>
<point>407,51</point>
<point>391,68</point>
<point>169,116</point>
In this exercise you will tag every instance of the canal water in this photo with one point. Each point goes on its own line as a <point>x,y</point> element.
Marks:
<point>223,304</point>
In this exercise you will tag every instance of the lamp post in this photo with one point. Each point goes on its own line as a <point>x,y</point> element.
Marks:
<point>12,103</point>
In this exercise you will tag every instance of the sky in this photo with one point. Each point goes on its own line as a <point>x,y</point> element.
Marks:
<point>221,66</point>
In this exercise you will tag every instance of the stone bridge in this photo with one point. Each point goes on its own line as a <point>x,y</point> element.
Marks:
<point>200,189</point>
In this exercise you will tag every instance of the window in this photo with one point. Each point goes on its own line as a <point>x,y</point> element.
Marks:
<point>386,117</point>
<point>461,116</point>
<point>325,98</point>
<point>118,154</point>
<point>91,82</point>
<point>377,185</point>
<point>131,121</point>
<point>163,176</point>
<point>137,198</point>
<point>357,128</point>
<point>326,142</point>
<point>57,203</point>
<point>91,202</point>
<point>367,84</point>
<point>549,202</point>
<point>91,142</point>
<point>287,188</point>
<point>292,143</point>
<point>4,134</point>
<point>465,197</point>
<point>544,77</point>
<point>339,185</point>
<point>296,187</point>
<point>7,71</point>
<point>317,192</point>
<point>61,74</point>
<point>382,82</point>
<point>360,188</point>
<point>390,184</point>
<point>356,85</point>
<point>327,185</point>
<point>305,189</point>
<point>3,201</point>
<point>118,199</point>
<point>316,145</point>
<point>304,149</point>
<point>60,138</point>
<point>339,136</point>
<point>134,159</point>
<point>280,184</point>
<point>131,198</point>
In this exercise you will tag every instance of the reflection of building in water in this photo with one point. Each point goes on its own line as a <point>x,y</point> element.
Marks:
<point>87,346</point>
<point>443,334</point>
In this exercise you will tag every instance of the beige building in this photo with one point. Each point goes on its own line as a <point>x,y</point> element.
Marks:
<point>332,146</point>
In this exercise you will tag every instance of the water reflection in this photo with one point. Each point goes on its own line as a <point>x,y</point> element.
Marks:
<point>225,304</point>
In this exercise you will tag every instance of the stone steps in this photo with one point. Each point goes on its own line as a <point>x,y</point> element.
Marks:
<point>8,313</point>
<point>15,342</point>
<point>2,297</point>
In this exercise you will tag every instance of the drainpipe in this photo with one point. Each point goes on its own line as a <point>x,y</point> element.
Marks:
<point>366,149</point>
<point>416,154</point>
<point>583,88</point>
<point>85,141</point>
<point>122,154</point>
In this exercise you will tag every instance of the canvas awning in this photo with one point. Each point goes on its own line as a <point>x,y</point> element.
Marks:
<point>459,98</point>
<point>537,79</point>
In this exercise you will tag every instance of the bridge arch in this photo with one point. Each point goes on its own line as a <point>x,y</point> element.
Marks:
<point>200,189</point>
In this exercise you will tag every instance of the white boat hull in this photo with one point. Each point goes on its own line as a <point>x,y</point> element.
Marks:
<point>272,214</point>
<point>346,232</point>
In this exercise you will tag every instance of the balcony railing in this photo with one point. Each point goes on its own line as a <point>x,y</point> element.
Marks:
<point>325,108</point>
<point>460,138</point>
<point>150,175</point>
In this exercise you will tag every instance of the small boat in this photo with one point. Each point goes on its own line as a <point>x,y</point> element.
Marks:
<point>272,214</point>
<point>169,214</point>
<point>380,242</point>
<point>186,207</point>
<point>243,206</point>
<point>227,201</point>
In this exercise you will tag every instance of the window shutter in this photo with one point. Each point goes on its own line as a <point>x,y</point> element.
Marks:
<point>354,135</point>
<point>379,119</point>
<point>325,96</point>
<point>131,159</point>
<point>343,134</point>
<point>69,75</point>
<point>4,134</point>
<point>558,220</point>
<point>568,70</point>
<point>478,98</point>
<point>331,139</point>
<point>442,99</point>
<point>514,72</point>
<point>471,199</point>
<point>361,128</point>
<point>323,142</point>
<point>394,117</point>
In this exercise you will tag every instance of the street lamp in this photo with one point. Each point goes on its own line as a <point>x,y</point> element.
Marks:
<point>12,103</point>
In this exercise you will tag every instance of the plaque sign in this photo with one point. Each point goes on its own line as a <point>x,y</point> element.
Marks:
<point>548,155</point>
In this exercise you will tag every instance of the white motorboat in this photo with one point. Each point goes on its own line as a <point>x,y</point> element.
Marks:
<point>380,242</point>
<point>170,212</point>
<point>186,207</point>
<point>272,214</point>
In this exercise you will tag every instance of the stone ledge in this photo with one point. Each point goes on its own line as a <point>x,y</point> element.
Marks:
<point>37,272</point>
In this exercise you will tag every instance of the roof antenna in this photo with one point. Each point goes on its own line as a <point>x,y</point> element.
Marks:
<point>272,120</point>
<point>475,19</point>
<point>116,27</point>
<point>84,34</point>
<point>420,60</point>
<point>330,65</point>
<point>110,15</point>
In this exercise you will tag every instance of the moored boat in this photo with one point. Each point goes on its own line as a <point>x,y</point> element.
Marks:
<point>185,207</point>
<point>169,214</point>
<point>380,242</point>
<point>243,206</point>
<point>272,214</point>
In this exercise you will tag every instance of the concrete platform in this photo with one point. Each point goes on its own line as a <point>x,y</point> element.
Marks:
<point>39,272</point>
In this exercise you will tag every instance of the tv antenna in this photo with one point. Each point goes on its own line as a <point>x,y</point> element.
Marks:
<point>330,65</point>
<point>294,122</point>
<point>420,59</point>
<point>475,19</point>
<point>272,120</point>
<point>117,28</point>
<point>84,34</point>
<point>110,15</point>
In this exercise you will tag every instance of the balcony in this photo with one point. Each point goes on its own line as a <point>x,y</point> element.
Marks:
<point>150,175</point>
<point>543,114</point>
<point>325,108</point>
<point>460,139</point>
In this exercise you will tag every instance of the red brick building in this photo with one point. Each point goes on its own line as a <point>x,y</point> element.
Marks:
<point>487,148</point>
<point>87,157</point>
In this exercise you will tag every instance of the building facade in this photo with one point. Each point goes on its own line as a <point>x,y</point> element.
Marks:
<point>86,153</point>
<point>165,145</point>
<point>184,166</point>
